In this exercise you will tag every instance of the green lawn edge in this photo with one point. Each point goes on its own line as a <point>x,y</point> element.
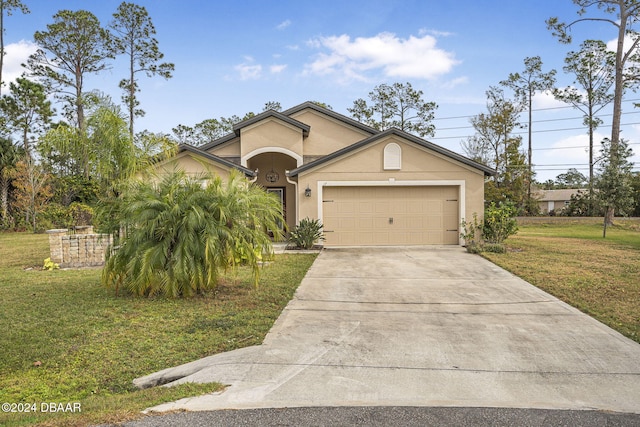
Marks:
<point>572,262</point>
<point>73,341</point>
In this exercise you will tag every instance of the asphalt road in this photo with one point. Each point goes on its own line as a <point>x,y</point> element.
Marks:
<point>389,416</point>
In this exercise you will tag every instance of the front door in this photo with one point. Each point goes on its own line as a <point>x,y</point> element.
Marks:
<point>281,193</point>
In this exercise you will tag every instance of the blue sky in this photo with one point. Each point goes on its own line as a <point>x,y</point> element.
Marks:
<point>232,57</point>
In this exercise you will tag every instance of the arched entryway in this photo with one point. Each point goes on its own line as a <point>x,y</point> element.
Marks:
<point>271,168</point>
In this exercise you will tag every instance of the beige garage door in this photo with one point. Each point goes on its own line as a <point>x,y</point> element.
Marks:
<point>390,215</point>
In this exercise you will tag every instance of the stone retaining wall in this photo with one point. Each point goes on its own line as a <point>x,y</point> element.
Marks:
<point>83,248</point>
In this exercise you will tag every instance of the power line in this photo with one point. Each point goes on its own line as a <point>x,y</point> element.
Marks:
<point>574,147</point>
<point>536,131</point>
<point>543,121</point>
<point>565,169</point>
<point>564,129</point>
<point>533,110</point>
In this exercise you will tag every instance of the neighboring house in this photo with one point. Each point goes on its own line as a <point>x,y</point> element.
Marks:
<point>367,187</point>
<point>555,200</point>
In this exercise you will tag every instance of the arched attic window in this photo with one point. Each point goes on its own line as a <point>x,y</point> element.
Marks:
<point>392,156</point>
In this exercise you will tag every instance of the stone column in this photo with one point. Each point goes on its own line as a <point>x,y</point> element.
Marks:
<point>55,244</point>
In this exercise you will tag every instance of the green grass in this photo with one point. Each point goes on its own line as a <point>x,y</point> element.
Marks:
<point>624,232</point>
<point>573,262</point>
<point>90,344</point>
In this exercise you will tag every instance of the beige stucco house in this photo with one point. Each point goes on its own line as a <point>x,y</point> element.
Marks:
<point>367,187</point>
<point>555,200</point>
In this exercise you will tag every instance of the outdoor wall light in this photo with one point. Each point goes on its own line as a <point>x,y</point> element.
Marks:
<point>307,191</point>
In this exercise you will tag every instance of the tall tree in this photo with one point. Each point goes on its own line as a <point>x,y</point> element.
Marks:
<point>9,156</point>
<point>77,46</point>
<point>493,130</point>
<point>496,145</point>
<point>136,40</point>
<point>61,150</point>
<point>272,105</point>
<point>26,110</point>
<point>6,8</point>
<point>594,69</point>
<point>105,149</point>
<point>623,15</point>
<point>572,178</point>
<point>525,85</point>
<point>397,105</point>
<point>184,134</point>
<point>154,146</point>
<point>33,189</point>
<point>615,190</point>
<point>209,130</point>
<point>113,154</point>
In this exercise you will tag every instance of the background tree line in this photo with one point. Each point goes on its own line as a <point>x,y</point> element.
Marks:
<point>600,77</point>
<point>52,173</point>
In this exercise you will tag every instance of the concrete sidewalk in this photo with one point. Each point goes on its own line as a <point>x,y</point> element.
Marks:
<point>420,326</point>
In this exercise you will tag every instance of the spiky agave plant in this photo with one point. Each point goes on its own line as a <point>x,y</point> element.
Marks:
<point>182,232</point>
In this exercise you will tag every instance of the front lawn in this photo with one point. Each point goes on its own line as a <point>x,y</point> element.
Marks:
<point>66,339</point>
<point>572,261</point>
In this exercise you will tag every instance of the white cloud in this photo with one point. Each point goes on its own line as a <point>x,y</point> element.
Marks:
<point>351,59</point>
<point>456,82</point>
<point>284,24</point>
<point>249,71</point>
<point>612,45</point>
<point>546,99</point>
<point>277,68</point>
<point>15,55</point>
<point>436,33</point>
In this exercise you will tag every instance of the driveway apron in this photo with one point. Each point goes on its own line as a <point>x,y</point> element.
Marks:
<point>420,326</point>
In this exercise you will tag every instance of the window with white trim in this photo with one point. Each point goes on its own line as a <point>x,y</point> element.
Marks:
<point>392,156</point>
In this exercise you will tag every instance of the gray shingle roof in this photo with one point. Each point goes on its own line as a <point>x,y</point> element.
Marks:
<point>271,113</point>
<point>191,149</point>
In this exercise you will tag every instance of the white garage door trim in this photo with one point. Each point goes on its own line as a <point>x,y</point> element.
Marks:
<point>393,183</point>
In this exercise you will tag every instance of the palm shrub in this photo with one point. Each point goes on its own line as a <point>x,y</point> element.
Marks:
<point>180,233</point>
<point>306,233</point>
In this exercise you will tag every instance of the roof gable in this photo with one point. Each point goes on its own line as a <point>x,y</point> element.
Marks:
<point>212,157</point>
<point>330,113</point>
<point>404,135</point>
<point>272,114</point>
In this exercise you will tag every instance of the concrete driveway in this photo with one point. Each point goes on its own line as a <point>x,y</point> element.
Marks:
<point>421,326</point>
